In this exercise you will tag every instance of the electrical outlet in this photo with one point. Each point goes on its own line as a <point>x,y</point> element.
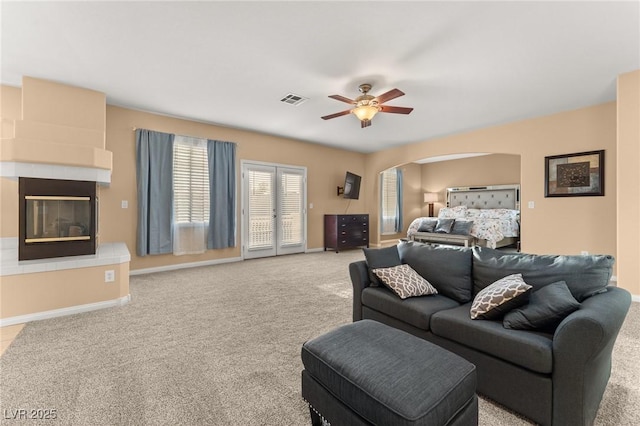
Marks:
<point>125,204</point>
<point>584,253</point>
<point>109,276</point>
<point>532,204</point>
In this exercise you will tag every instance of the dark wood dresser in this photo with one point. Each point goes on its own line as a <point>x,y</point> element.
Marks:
<point>342,231</point>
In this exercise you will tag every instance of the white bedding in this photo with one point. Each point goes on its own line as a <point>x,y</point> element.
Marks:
<point>491,225</point>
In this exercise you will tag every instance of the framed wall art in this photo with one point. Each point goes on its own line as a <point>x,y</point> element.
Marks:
<point>574,175</point>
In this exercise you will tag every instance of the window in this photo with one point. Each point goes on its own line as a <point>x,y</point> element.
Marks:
<point>391,200</point>
<point>190,181</point>
<point>190,195</point>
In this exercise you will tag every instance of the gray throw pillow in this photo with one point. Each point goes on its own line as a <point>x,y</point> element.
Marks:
<point>462,227</point>
<point>448,269</point>
<point>404,281</point>
<point>380,258</point>
<point>584,275</point>
<point>444,226</point>
<point>500,297</point>
<point>427,225</point>
<point>547,307</point>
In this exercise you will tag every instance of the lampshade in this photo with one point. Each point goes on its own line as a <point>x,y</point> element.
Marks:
<point>365,112</point>
<point>430,197</point>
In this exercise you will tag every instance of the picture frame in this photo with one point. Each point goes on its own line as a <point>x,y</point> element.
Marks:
<point>574,175</point>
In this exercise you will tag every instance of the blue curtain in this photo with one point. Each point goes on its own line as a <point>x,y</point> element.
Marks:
<point>398,225</point>
<point>154,171</point>
<point>222,187</point>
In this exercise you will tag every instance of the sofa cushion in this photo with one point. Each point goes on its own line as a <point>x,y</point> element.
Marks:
<point>494,301</point>
<point>532,350</point>
<point>380,258</point>
<point>584,275</point>
<point>416,311</point>
<point>404,281</point>
<point>448,269</point>
<point>547,307</point>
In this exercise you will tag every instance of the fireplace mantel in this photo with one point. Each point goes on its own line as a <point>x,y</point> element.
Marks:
<point>13,169</point>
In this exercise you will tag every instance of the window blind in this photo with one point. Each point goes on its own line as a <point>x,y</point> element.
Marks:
<point>291,208</point>
<point>389,198</point>
<point>190,181</point>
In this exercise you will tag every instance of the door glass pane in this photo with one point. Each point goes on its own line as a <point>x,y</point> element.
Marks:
<point>291,208</point>
<point>261,209</point>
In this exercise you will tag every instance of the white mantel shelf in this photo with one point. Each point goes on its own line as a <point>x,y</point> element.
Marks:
<point>106,254</point>
<point>11,169</point>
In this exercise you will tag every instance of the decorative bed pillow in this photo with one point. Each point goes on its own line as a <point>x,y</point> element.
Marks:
<point>404,281</point>
<point>462,227</point>
<point>500,297</point>
<point>547,307</point>
<point>427,224</point>
<point>457,212</point>
<point>443,226</point>
<point>380,258</point>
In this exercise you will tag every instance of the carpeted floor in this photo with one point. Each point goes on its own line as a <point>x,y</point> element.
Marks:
<point>218,345</point>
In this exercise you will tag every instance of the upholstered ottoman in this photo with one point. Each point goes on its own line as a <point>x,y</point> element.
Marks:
<point>369,373</point>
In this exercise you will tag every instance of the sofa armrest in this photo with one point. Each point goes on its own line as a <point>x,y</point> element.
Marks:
<point>582,346</point>
<point>359,272</point>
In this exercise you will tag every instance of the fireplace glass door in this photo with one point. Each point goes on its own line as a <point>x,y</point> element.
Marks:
<point>52,218</point>
<point>57,218</point>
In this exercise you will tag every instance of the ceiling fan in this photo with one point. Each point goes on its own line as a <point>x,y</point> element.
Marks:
<point>366,106</point>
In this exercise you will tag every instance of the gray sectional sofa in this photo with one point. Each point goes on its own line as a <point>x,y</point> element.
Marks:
<point>555,375</point>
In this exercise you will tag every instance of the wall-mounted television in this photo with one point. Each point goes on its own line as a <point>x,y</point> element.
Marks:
<point>352,186</point>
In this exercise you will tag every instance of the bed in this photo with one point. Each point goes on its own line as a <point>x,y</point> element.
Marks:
<point>493,210</point>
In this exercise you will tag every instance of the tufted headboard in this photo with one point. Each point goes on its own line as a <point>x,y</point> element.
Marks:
<point>485,197</point>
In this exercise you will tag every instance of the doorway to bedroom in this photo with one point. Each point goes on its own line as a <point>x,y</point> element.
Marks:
<point>274,216</point>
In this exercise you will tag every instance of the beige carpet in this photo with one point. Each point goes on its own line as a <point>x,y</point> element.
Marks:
<point>218,345</point>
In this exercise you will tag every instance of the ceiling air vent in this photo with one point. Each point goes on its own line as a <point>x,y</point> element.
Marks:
<point>292,99</point>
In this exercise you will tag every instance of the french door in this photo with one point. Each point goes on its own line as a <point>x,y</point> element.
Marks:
<point>273,209</point>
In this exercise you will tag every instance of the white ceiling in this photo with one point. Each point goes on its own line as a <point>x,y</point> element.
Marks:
<point>462,65</point>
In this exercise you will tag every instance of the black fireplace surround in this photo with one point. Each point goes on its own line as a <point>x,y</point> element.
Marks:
<point>57,218</point>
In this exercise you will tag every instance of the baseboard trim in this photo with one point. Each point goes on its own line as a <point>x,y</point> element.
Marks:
<point>635,298</point>
<point>184,266</point>
<point>71,310</point>
<point>314,250</point>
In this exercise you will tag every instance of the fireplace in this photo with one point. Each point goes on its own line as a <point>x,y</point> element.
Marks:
<point>57,218</point>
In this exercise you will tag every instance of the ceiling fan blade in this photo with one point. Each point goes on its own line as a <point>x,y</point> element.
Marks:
<point>395,109</point>
<point>337,114</point>
<point>343,99</point>
<point>365,123</point>
<point>391,94</point>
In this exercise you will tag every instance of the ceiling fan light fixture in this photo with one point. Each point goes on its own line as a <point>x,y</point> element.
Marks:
<point>365,112</point>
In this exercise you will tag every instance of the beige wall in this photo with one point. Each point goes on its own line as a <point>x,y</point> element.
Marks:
<point>628,172</point>
<point>555,225</point>
<point>40,292</point>
<point>326,169</point>
<point>495,169</point>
